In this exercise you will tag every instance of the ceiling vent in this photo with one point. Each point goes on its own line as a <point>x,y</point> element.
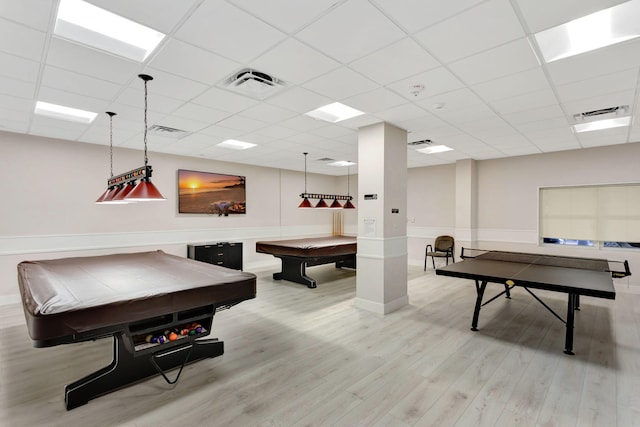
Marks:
<point>603,113</point>
<point>253,83</point>
<point>420,143</point>
<point>168,132</point>
<point>326,159</point>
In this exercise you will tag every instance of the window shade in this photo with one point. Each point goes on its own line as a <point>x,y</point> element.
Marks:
<point>604,213</point>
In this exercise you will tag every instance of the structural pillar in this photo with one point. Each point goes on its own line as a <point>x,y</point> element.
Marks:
<point>466,203</point>
<point>381,282</point>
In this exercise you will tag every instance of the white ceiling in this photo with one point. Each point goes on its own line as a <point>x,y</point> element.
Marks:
<point>476,57</point>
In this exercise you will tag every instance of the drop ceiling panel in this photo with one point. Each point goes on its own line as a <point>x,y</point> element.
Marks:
<point>133,96</point>
<point>224,100</point>
<point>375,100</point>
<point>81,84</point>
<point>32,13</point>
<point>413,15</point>
<point>486,25</point>
<point>17,88</point>
<point>336,35</point>
<point>507,59</point>
<point>340,84</point>
<point>512,85</point>
<point>73,100</point>
<point>18,68</point>
<point>171,85</point>
<point>228,31</point>
<point>527,101</point>
<point>268,113</point>
<point>19,40</point>
<point>308,65</point>
<point>600,62</point>
<point>600,102</point>
<point>200,113</point>
<point>614,82</point>
<point>94,63</point>
<point>398,61</point>
<point>197,64</point>
<point>286,15</point>
<point>435,81</point>
<point>299,99</point>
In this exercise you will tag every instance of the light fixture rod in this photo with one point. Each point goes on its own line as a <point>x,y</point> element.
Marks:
<point>305,172</point>
<point>111,114</point>
<point>145,78</point>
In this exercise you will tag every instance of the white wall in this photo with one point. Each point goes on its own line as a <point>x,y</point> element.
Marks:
<point>48,188</point>
<point>507,198</point>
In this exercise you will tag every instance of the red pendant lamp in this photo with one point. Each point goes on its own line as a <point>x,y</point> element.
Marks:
<point>145,191</point>
<point>348,204</point>
<point>305,202</point>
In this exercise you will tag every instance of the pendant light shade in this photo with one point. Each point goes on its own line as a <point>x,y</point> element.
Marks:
<point>322,204</point>
<point>124,191</point>
<point>336,204</point>
<point>348,205</point>
<point>103,196</point>
<point>145,191</point>
<point>305,203</point>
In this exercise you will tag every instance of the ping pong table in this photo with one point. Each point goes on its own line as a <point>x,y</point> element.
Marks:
<point>591,277</point>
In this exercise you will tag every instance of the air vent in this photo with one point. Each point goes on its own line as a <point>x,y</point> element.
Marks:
<point>603,113</point>
<point>420,143</point>
<point>253,83</point>
<point>168,132</point>
<point>326,159</point>
<point>600,112</point>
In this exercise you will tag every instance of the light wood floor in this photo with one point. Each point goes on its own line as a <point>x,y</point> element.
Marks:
<point>301,357</point>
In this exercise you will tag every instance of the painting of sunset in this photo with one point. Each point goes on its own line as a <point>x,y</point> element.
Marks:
<point>211,193</point>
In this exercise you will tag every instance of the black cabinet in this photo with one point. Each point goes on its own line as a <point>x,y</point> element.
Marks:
<point>224,254</point>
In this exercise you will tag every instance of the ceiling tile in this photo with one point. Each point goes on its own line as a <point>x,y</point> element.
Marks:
<point>18,68</point>
<point>299,99</point>
<point>94,63</point>
<point>601,85</point>
<point>603,137</point>
<point>268,113</point>
<point>200,113</point>
<point>183,59</point>
<point>286,15</point>
<point>336,35</point>
<point>81,84</point>
<point>435,81</point>
<point>308,65</point>
<point>456,99</point>
<point>507,59</point>
<point>17,88</point>
<point>21,41</point>
<point>171,85</point>
<point>615,99</point>
<point>595,63</point>
<point>244,124</point>
<point>375,100</point>
<point>224,100</point>
<point>228,31</point>
<point>340,84</point>
<point>73,100</point>
<point>527,101</point>
<point>512,85</point>
<point>414,15</point>
<point>475,38</point>
<point>395,62</point>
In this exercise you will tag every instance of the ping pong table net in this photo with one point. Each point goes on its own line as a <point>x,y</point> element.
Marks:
<point>595,264</point>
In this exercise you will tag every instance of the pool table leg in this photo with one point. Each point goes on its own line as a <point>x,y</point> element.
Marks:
<point>293,269</point>
<point>127,368</point>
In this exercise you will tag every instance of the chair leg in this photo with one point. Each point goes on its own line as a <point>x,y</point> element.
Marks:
<point>433,261</point>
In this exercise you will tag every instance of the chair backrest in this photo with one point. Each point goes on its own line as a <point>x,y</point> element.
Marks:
<point>443,243</point>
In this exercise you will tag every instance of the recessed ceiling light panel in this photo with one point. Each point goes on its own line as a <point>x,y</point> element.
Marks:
<point>334,113</point>
<point>341,163</point>
<point>602,124</point>
<point>236,145</point>
<point>64,113</point>
<point>434,149</point>
<point>90,25</point>
<point>600,29</point>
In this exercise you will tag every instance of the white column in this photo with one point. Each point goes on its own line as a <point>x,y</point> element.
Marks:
<point>382,218</point>
<point>466,204</point>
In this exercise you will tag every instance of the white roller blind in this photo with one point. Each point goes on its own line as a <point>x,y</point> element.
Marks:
<point>604,213</point>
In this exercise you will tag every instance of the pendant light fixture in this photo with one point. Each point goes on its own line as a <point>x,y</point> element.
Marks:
<point>305,202</point>
<point>145,191</point>
<point>348,204</point>
<point>322,204</point>
<point>108,197</point>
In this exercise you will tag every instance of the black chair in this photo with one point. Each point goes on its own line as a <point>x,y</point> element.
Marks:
<point>443,247</point>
